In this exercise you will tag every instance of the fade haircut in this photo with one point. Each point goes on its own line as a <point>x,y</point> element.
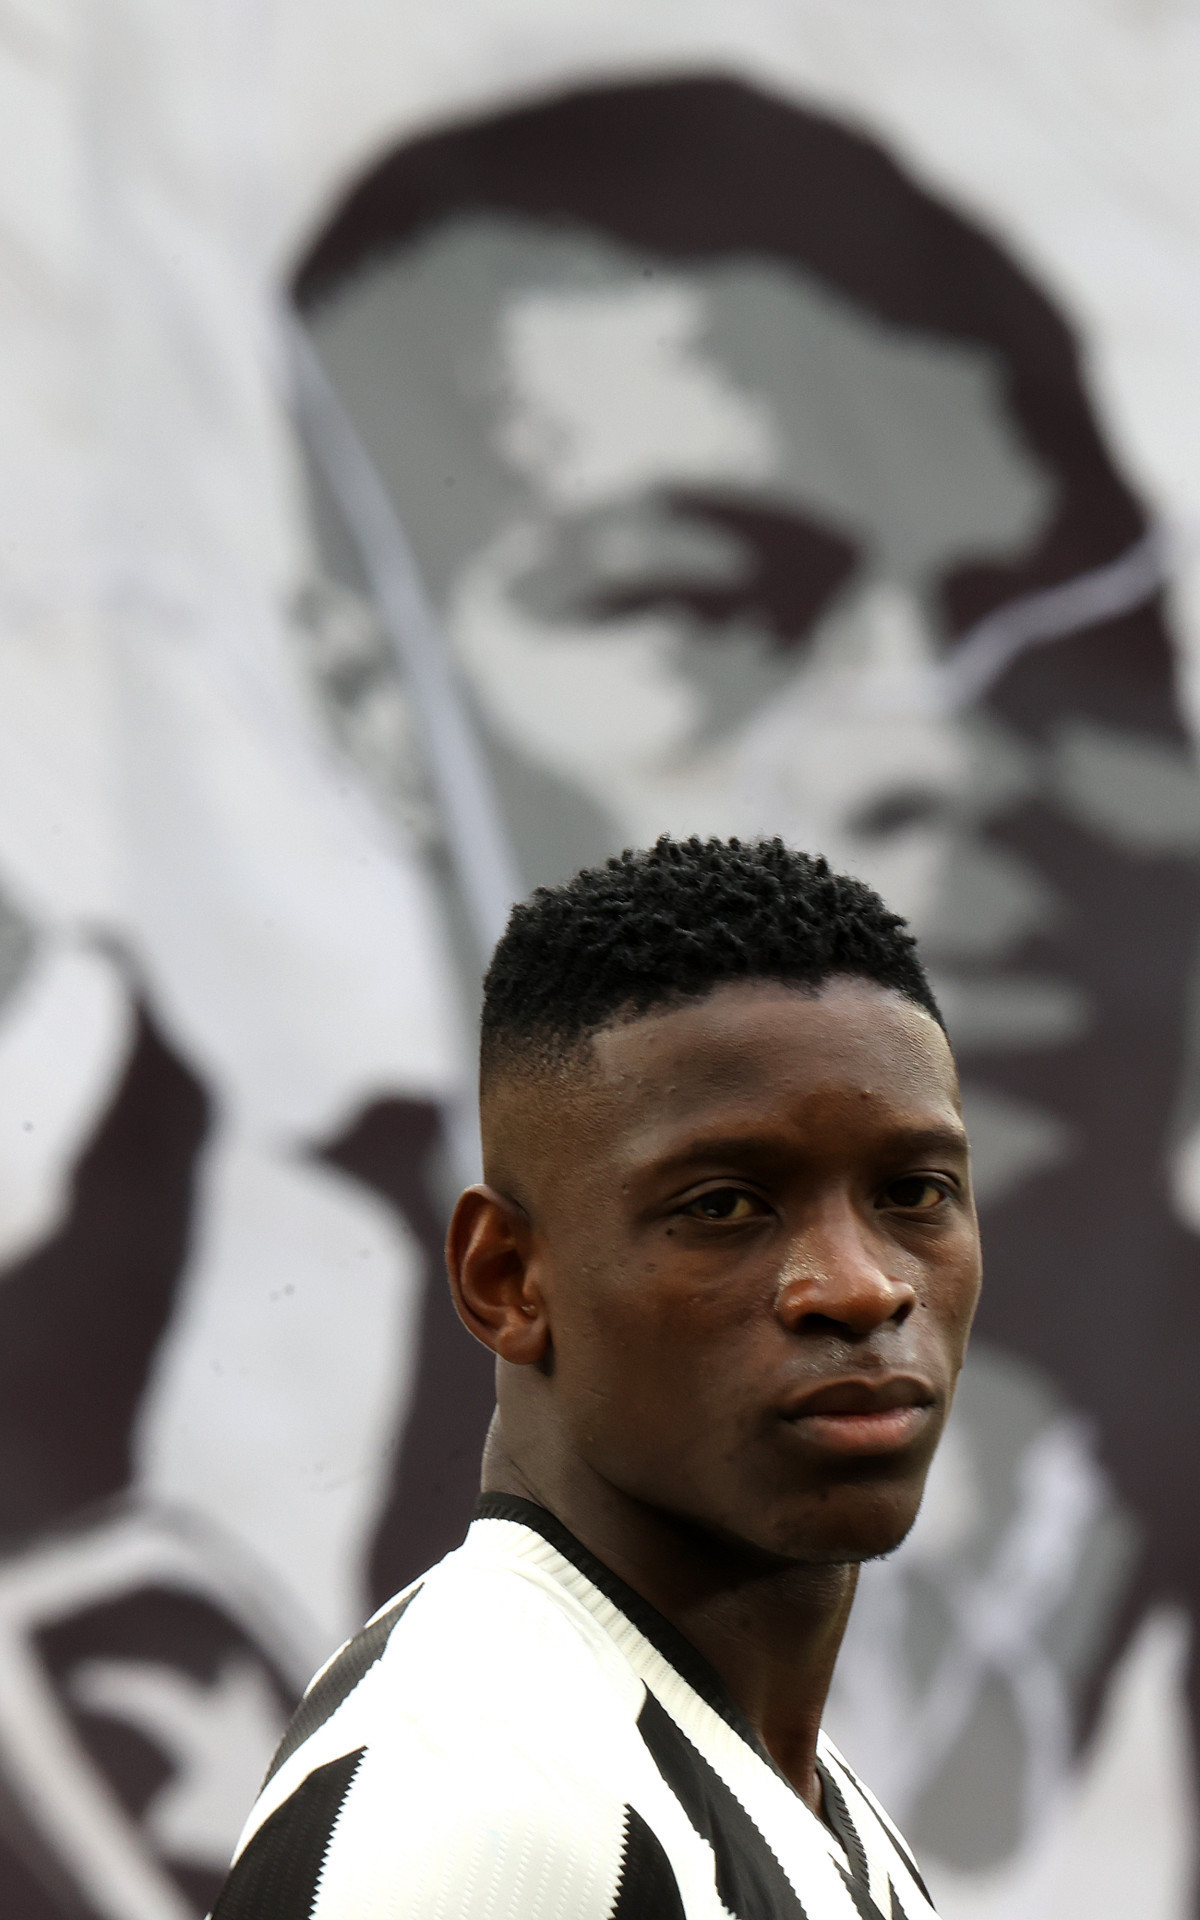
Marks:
<point>655,929</point>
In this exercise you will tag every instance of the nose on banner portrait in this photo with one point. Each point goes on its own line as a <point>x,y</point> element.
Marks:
<point>753,487</point>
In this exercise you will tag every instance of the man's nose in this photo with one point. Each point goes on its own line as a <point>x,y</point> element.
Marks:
<point>842,1277</point>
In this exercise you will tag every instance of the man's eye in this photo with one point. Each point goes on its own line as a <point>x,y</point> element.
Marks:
<point>916,1193</point>
<point>724,1203</point>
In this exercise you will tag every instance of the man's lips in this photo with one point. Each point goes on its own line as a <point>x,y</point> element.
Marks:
<point>862,1416</point>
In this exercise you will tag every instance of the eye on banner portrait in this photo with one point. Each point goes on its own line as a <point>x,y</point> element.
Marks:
<point>758,490</point>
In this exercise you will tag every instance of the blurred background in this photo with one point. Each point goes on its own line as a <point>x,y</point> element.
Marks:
<point>441,446</point>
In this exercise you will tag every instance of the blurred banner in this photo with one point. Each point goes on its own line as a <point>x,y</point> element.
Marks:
<point>443,446</point>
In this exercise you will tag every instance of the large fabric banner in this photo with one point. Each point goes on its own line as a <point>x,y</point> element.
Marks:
<point>443,451</point>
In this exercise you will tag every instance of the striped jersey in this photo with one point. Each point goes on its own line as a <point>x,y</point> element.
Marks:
<point>520,1736</point>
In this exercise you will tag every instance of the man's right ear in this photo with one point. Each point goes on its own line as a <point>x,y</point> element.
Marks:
<point>489,1258</point>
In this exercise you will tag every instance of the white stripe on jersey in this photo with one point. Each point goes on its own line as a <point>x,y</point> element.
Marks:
<point>520,1736</point>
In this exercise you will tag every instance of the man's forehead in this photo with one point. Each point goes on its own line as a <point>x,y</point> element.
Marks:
<point>762,1040</point>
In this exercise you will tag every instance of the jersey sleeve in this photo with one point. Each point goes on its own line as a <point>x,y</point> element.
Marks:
<point>373,1835</point>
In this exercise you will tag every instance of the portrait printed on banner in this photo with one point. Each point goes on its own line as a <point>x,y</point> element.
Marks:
<point>758,490</point>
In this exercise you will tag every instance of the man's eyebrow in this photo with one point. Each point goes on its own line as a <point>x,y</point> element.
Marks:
<point>932,1139</point>
<point>725,1146</point>
<point>768,1146</point>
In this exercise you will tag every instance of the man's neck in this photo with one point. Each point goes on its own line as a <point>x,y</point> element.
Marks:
<point>770,1629</point>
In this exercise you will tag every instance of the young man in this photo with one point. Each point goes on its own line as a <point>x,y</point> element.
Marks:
<point>727,1258</point>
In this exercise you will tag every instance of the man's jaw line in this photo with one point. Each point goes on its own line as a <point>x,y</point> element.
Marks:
<point>716,1556</point>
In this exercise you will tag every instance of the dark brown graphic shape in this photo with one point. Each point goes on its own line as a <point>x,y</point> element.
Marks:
<point>35,1885</point>
<point>82,1315</point>
<point>80,1322</point>
<point>174,1633</point>
<point>389,1147</point>
<point>1092,1274</point>
<point>795,569</point>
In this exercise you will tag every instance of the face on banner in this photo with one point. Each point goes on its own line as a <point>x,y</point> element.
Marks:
<point>718,441</point>
<point>693,585</point>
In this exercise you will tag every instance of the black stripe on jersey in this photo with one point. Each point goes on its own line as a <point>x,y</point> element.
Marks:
<point>837,1815</point>
<point>277,1874</point>
<point>338,1682</point>
<point>864,1906</point>
<point>647,1888</point>
<point>750,1881</point>
<point>893,1836</point>
<point>898,1912</point>
<point>675,1650</point>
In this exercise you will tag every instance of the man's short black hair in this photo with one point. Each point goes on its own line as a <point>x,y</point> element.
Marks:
<point>657,928</point>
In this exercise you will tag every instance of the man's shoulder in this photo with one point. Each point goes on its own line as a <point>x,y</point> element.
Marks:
<point>394,1828</point>
<point>494,1742</point>
<point>480,1650</point>
<point>477,1729</point>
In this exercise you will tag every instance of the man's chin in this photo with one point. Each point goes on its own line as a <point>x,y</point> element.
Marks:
<point>834,1527</point>
<point>839,1537</point>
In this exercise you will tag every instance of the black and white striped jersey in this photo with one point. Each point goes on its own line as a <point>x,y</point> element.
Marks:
<point>520,1736</point>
